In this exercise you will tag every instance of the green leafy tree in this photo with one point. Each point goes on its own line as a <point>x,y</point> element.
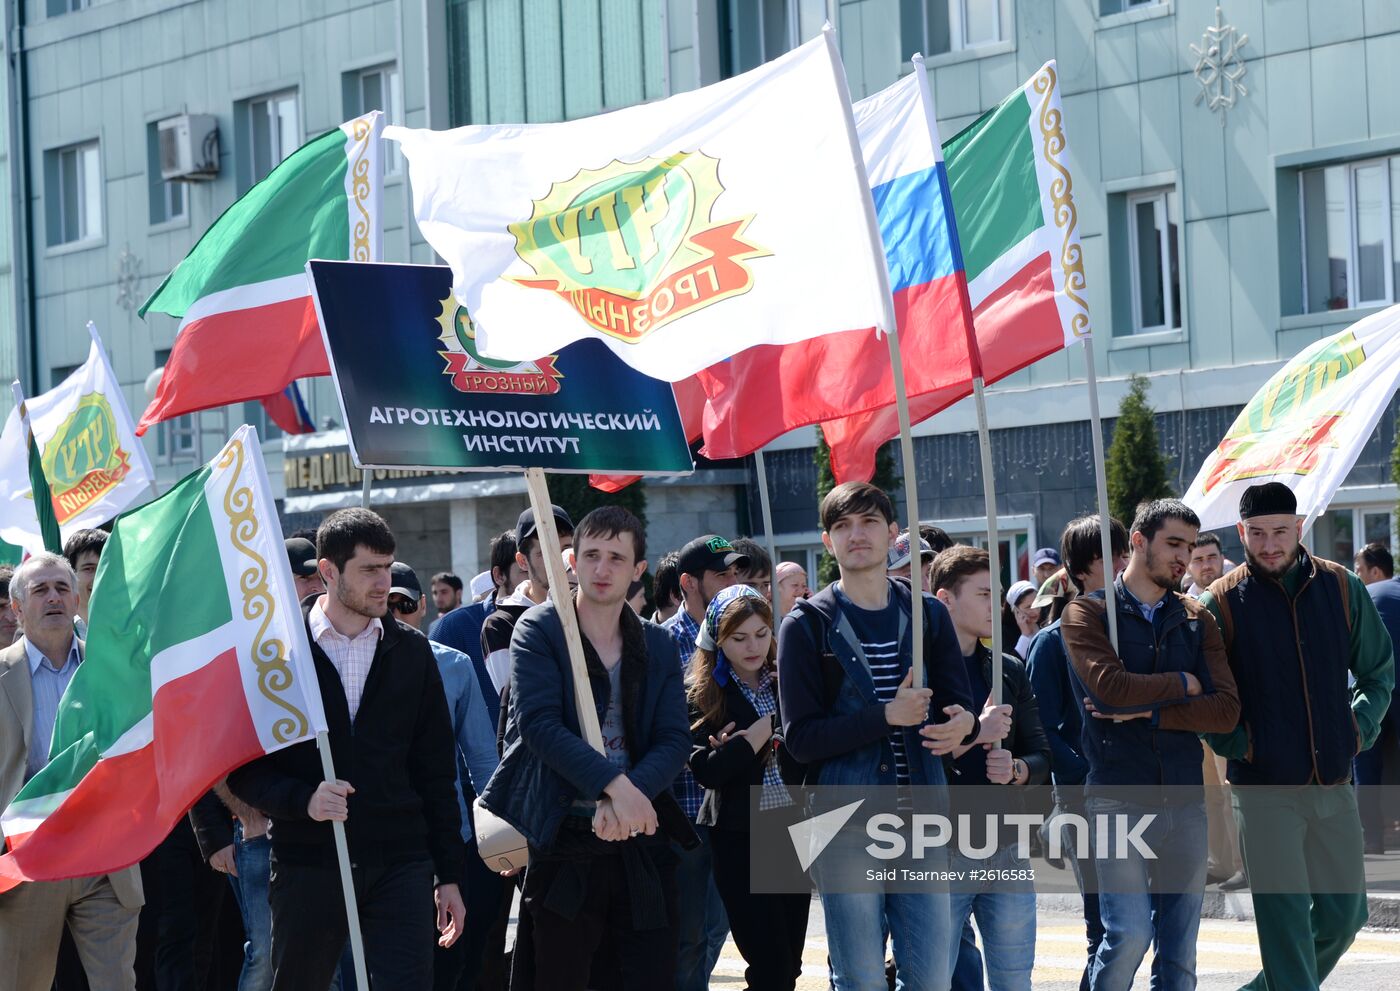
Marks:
<point>1395,465</point>
<point>579,498</point>
<point>1137,469</point>
<point>884,477</point>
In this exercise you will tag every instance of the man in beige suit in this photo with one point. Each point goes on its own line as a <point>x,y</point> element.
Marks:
<point>101,912</point>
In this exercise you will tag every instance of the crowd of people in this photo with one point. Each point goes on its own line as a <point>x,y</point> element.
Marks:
<point>722,697</point>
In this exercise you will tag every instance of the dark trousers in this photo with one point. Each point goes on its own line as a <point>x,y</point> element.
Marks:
<point>563,940</point>
<point>179,926</point>
<point>476,962</point>
<point>769,929</point>
<point>397,920</point>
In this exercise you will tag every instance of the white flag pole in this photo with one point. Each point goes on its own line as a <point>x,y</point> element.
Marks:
<point>347,883</point>
<point>364,487</point>
<point>1101,483</point>
<point>984,436</point>
<point>112,376</point>
<point>890,327</point>
<point>767,510</point>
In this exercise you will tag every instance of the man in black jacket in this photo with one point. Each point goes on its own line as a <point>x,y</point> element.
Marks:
<point>391,739</point>
<point>1005,909</point>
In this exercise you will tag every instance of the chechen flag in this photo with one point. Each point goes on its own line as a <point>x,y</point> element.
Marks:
<point>247,322</point>
<point>768,390</point>
<point>196,663</point>
<point>677,232</point>
<point>1013,196</point>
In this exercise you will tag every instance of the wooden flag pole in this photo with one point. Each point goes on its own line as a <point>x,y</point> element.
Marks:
<point>767,510</point>
<point>881,274</point>
<point>347,883</point>
<point>1101,482</point>
<point>548,533</point>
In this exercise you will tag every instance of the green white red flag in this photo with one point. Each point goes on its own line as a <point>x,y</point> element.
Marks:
<point>247,323</point>
<point>196,662</point>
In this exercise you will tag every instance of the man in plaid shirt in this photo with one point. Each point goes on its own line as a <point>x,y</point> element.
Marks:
<point>705,565</point>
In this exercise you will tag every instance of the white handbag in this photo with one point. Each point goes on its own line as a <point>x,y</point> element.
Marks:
<point>500,844</point>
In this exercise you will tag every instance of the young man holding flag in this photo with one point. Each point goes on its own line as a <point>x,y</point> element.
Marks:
<point>101,912</point>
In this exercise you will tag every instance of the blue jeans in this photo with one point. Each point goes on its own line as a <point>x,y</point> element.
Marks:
<point>1150,902</point>
<point>253,859</point>
<point>1005,912</point>
<point>701,920</point>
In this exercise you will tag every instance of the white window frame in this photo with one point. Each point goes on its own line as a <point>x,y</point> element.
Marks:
<point>1160,198</point>
<point>957,26</point>
<point>280,153</point>
<point>1388,261</point>
<point>1126,5</point>
<point>168,187</point>
<point>1359,512</point>
<point>84,153</point>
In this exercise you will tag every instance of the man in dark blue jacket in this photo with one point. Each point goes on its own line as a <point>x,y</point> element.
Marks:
<point>850,713</point>
<point>1062,713</point>
<point>1166,680</point>
<point>598,868</point>
<point>1376,567</point>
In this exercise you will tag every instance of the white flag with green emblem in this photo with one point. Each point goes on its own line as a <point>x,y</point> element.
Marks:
<point>196,662</point>
<point>95,465</point>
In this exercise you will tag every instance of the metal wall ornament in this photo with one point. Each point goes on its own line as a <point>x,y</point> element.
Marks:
<point>1219,67</point>
<point>128,280</point>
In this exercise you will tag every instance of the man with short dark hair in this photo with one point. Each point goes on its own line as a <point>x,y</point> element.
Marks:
<point>852,715</point>
<point>758,573</point>
<point>1166,681</point>
<point>301,556</point>
<point>1047,665</point>
<point>1376,568</point>
<point>391,737</point>
<point>499,625</point>
<point>447,592</point>
<point>1003,900</point>
<point>1300,725</point>
<point>598,869</point>
<point>704,566</point>
<point>666,588</point>
<point>83,550</point>
<point>936,537</point>
<point>1207,564</point>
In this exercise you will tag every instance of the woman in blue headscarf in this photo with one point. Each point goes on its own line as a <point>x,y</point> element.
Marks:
<point>735,725</point>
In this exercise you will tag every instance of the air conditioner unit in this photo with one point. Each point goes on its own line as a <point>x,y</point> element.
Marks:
<point>189,147</point>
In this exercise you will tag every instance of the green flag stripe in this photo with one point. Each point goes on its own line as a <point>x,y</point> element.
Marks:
<point>994,185</point>
<point>297,213</point>
<point>160,583</point>
<point>43,499</point>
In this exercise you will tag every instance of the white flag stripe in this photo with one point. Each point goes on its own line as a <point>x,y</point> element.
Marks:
<point>678,232</point>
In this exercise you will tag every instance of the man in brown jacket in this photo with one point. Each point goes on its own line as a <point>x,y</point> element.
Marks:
<point>1168,680</point>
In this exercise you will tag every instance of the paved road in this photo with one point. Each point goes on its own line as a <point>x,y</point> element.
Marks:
<point>1227,957</point>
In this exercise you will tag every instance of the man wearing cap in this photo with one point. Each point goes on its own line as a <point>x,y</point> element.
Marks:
<point>1045,562</point>
<point>705,566</point>
<point>899,561</point>
<point>1295,626</point>
<point>529,556</point>
<point>301,555</point>
<point>475,735</point>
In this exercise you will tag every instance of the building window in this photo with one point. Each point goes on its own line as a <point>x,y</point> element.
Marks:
<point>755,31</point>
<point>169,200</point>
<point>175,439</point>
<point>1339,533</point>
<point>1107,7</point>
<point>73,184</point>
<point>60,373</point>
<point>57,8</point>
<point>1154,224</point>
<point>1350,220</point>
<point>255,414</point>
<point>958,25</point>
<point>377,88</point>
<point>269,130</point>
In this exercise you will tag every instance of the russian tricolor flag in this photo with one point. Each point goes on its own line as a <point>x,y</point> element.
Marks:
<point>766,391</point>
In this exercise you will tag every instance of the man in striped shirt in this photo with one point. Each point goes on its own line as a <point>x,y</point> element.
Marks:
<point>845,662</point>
